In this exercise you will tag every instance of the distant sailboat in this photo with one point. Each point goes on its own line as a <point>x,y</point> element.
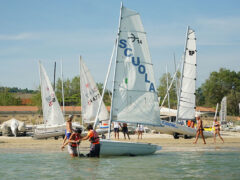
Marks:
<point>90,97</point>
<point>223,111</point>
<point>187,96</point>
<point>134,98</point>
<point>54,123</point>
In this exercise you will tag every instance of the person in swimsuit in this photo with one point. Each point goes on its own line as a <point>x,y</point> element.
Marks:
<point>199,130</point>
<point>68,130</point>
<point>73,142</point>
<point>217,130</point>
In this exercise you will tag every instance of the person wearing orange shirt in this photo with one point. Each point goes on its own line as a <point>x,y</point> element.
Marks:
<point>93,137</point>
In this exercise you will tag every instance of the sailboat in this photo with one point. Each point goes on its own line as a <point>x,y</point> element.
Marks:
<point>90,99</point>
<point>187,98</point>
<point>54,123</point>
<point>223,111</point>
<point>134,99</point>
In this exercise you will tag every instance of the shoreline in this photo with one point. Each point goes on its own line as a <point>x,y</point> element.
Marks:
<point>167,142</point>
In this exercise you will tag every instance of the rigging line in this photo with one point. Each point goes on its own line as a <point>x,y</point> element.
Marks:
<point>131,62</point>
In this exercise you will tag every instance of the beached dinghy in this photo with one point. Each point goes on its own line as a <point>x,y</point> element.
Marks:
<point>90,98</point>
<point>134,99</point>
<point>54,123</point>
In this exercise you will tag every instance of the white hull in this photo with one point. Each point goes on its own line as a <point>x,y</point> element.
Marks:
<point>118,148</point>
<point>43,131</point>
<point>172,128</point>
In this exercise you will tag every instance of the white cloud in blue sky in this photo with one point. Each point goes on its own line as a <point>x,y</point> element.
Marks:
<point>51,30</point>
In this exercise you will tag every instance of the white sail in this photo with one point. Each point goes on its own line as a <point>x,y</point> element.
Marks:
<point>90,97</point>
<point>52,114</point>
<point>223,110</point>
<point>134,95</point>
<point>186,102</point>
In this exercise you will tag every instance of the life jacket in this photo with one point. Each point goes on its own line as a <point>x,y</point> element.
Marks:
<point>94,139</point>
<point>75,138</point>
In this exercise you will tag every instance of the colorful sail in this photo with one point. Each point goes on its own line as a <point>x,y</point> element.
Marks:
<point>135,98</point>
<point>52,114</point>
<point>186,103</point>
<point>90,97</point>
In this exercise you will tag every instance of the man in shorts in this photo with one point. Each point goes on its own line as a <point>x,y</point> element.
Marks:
<point>116,127</point>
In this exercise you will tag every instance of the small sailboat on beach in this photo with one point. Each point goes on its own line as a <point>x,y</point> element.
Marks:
<point>54,123</point>
<point>134,99</point>
<point>90,99</point>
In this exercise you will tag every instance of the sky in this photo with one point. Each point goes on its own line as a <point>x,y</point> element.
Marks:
<point>58,29</point>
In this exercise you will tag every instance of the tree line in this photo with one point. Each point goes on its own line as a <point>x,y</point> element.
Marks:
<point>219,84</point>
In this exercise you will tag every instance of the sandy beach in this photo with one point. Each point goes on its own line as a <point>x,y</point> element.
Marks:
<point>167,142</point>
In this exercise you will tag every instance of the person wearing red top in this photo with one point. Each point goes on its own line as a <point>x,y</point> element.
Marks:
<point>94,139</point>
<point>73,143</point>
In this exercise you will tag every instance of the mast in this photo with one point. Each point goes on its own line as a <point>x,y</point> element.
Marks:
<point>80,59</point>
<point>62,89</point>
<point>215,116</point>
<point>180,89</point>
<point>168,94</point>
<point>176,79</point>
<point>54,76</point>
<point>114,73</point>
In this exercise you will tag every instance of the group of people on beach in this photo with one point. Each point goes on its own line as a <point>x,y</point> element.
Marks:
<point>200,130</point>
<point>73,138</point>
<point>124,127</point>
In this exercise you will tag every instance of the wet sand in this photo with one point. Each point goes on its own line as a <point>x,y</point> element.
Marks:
<point>167,142</point>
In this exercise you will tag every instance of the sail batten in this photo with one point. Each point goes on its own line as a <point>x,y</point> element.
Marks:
<point>134,94</point>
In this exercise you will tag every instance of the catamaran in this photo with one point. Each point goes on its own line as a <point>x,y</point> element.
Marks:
<point>187,99</point>
<point>134,99</point>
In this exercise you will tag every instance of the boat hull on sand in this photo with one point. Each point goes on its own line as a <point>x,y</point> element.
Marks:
<point>172,128</point>
<point>118,148</point>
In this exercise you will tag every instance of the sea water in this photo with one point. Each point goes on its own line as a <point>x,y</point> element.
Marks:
<point>163,165</point>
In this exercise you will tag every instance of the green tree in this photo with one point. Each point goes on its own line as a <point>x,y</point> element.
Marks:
<point>162,90</point>
<point>7,98</point>
<point>220,84</point>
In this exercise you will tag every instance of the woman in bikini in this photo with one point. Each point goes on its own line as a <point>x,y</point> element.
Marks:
<point>217,130</point>
<point>199,130</point>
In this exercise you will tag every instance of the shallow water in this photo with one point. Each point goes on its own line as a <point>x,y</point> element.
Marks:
<point>164,165</point>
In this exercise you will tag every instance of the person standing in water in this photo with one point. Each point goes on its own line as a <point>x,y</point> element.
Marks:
<point>217,130</point>
<point>68,130</point>
<point>199,130</point>
<point>94,139</point>
<point>73,142</point>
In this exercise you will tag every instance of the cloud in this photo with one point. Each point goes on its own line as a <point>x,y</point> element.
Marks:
<point>17,37</point>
